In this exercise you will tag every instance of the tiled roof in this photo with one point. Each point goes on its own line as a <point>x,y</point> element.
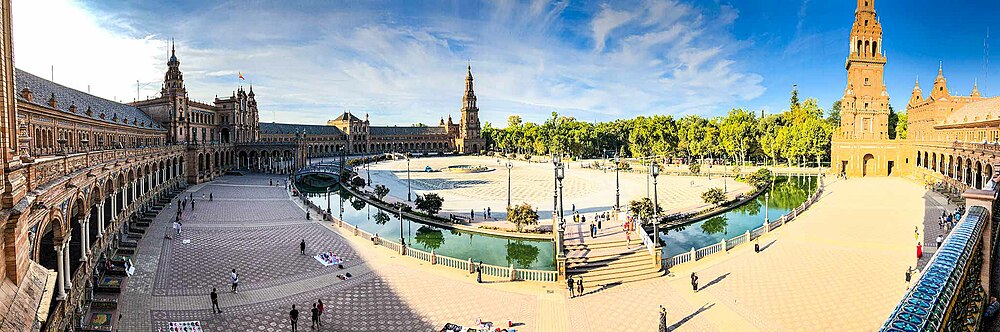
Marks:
<point>289,128</point>
<point>42,90</point>
<point>388,131</point>
<point>987,109</point>
<point>345,116</point>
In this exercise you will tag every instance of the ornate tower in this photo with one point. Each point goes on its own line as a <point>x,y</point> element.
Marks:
<point>173,80</point>
<point>940,85</point>
<point>865,103</point>
<point>468,132</point>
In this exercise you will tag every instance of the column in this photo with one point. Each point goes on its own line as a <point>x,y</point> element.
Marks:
<point>114,207</point>
<point>83,235</point>
<point>60,279</point>
<point>65,262</point>
<point>100,219</point>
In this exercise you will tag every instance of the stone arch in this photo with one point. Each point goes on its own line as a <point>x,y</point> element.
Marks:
<point>979,175</point>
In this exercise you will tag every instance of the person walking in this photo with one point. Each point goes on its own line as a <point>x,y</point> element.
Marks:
<point>210,197</point>
<point>320,307</point>
<point>315,316</point>
<point>909,275</point>
<point>308,217</point>
<point>569,282</point>
<point>489,212</point>
<point>920,251</point>
<point>234,279</point>
<point>472,214</point>
<point>579,286</point>
<point>694,282</point>
<point>192,205</point>
<point>939,239</point>
<point>599,223</point>
<point>663,319</point>
<point>215,302</point>
<point>302,247</point>
<point>293,316</point>
<point>479,272</point>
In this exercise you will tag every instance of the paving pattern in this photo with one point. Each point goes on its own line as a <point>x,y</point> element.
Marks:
<point>838,267</point>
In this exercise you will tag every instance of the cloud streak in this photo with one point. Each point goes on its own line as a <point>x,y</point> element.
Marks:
<point>405,62</point>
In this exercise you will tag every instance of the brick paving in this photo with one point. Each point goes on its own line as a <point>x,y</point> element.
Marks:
<point>838,267</point>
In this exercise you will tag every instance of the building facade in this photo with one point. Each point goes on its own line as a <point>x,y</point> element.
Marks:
<point>78,168</point>
<point>951,139</point>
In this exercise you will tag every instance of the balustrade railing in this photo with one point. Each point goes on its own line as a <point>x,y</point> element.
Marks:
<point>728,244</point>
<point>646,240</point>
<point>506,272</point>
<point>949,295</point>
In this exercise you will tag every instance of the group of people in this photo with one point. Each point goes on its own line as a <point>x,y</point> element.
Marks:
<point>487,213</point>
<point>578,283</point>
<point>947,220</point>
<point>317,313</point>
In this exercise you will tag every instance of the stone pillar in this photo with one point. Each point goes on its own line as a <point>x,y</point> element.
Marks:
<point>114,207</point>
<point>100,219</point>
<point>60,279</point>
<point>84,250</point>
<point>66,275</point>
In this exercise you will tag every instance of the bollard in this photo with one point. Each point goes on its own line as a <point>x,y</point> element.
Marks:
<point>724,246</point>
<point>694,256</point>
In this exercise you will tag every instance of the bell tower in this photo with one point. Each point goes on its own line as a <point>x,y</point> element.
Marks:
<point>173,80</point>
<point>865,103</point>
<point>468,138</point>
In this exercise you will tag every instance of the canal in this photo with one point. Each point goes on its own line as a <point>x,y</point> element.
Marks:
<point>494,250</point>
<point>787,193</point>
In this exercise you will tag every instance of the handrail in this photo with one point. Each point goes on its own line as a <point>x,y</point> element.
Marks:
<point>948,295</point>
<point>646,240</point>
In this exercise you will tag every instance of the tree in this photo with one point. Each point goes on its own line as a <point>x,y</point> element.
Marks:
<point>381,217</point>
<point>523,254</point>
<point>738,133</point>
<point>760,178</point>
<point>714,196</point>
<point>642,208</point>
<point>694,168</point>
<point>834,117</point>
<point>357,182</point>
<point>381,191</point>
<point>901,126</point>
<point>429,202</point>
<point>522,215</point>
<point>893,121</point>
<point>430,237</point>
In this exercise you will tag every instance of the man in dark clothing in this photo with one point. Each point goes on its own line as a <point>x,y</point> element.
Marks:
<point>294,317</point>
<point>694,282</point>
<point>479,273</point>
<point>315,316</point>
<point>192,205</point>
<point>210,197</point>
<point>215,302</point>
<point>302,247</point>
<point>570,283</point>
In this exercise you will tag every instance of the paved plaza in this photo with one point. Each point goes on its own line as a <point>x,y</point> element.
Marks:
<point>590,190</point>
<point>838,267</point>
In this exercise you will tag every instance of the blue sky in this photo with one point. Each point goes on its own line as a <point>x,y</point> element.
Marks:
<point>404,61</point>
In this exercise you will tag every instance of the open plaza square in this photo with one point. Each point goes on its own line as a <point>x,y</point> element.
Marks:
<point>498,166</point>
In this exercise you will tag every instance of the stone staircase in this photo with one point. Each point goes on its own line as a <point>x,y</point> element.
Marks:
<point>608,263</point>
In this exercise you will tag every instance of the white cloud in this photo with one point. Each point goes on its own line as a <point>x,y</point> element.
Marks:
<point>63,35</point>
<point>405,67</point>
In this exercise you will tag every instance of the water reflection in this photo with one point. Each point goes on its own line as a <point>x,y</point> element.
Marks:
<point>525,254</point>
<point>787,193</point>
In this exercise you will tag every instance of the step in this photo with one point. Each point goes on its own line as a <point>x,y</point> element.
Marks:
<point>618,272</point>
<point>593,264</point>
<point>611,265</point>
<point>592,284</point>
<point>594,255</point>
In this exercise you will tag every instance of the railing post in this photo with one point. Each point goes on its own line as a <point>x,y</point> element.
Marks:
<point>724,246</point>
<point>747,234</point>
<point>694,256</point>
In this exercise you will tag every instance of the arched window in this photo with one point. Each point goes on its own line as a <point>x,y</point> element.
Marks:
<point>875,48</point>
<point>859,47</point>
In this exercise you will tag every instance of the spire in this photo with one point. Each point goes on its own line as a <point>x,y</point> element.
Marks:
<point>469,99</point>
<point>975,89</point>
<point>941,69</point>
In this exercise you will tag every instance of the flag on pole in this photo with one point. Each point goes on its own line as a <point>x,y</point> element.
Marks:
<point>241,76</point>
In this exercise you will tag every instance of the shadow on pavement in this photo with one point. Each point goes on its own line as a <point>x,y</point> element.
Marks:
<point>714,281</point>
<point>689,317</point>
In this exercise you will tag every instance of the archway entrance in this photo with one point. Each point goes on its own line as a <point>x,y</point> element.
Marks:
<point>868,165</point>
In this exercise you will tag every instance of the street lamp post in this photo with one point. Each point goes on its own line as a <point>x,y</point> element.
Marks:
<point>408,198</point>
<point>767,200</point>
<point>618,193</point>
<point>560,173</point>
<point>654,170</point>
<point>401,241</point>
<point>509,167</point>
<point>327,200</point>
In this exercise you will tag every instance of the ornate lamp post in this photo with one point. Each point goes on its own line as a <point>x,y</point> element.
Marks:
<point>408,192</point>
<point>618,193</point>
<point>509,167</point>
<point>559,225</point>
<point>654,170</point>
<point>401,240</point>
<point>327,199</point>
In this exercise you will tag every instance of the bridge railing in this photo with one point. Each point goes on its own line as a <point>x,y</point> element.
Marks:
<point>949,295</point>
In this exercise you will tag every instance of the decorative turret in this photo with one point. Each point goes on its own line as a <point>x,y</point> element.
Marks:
<point>916,96</point>
<point>469,99</point>
<point>173,80</point>
<point>940,85</point>
<point>975,89</point>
